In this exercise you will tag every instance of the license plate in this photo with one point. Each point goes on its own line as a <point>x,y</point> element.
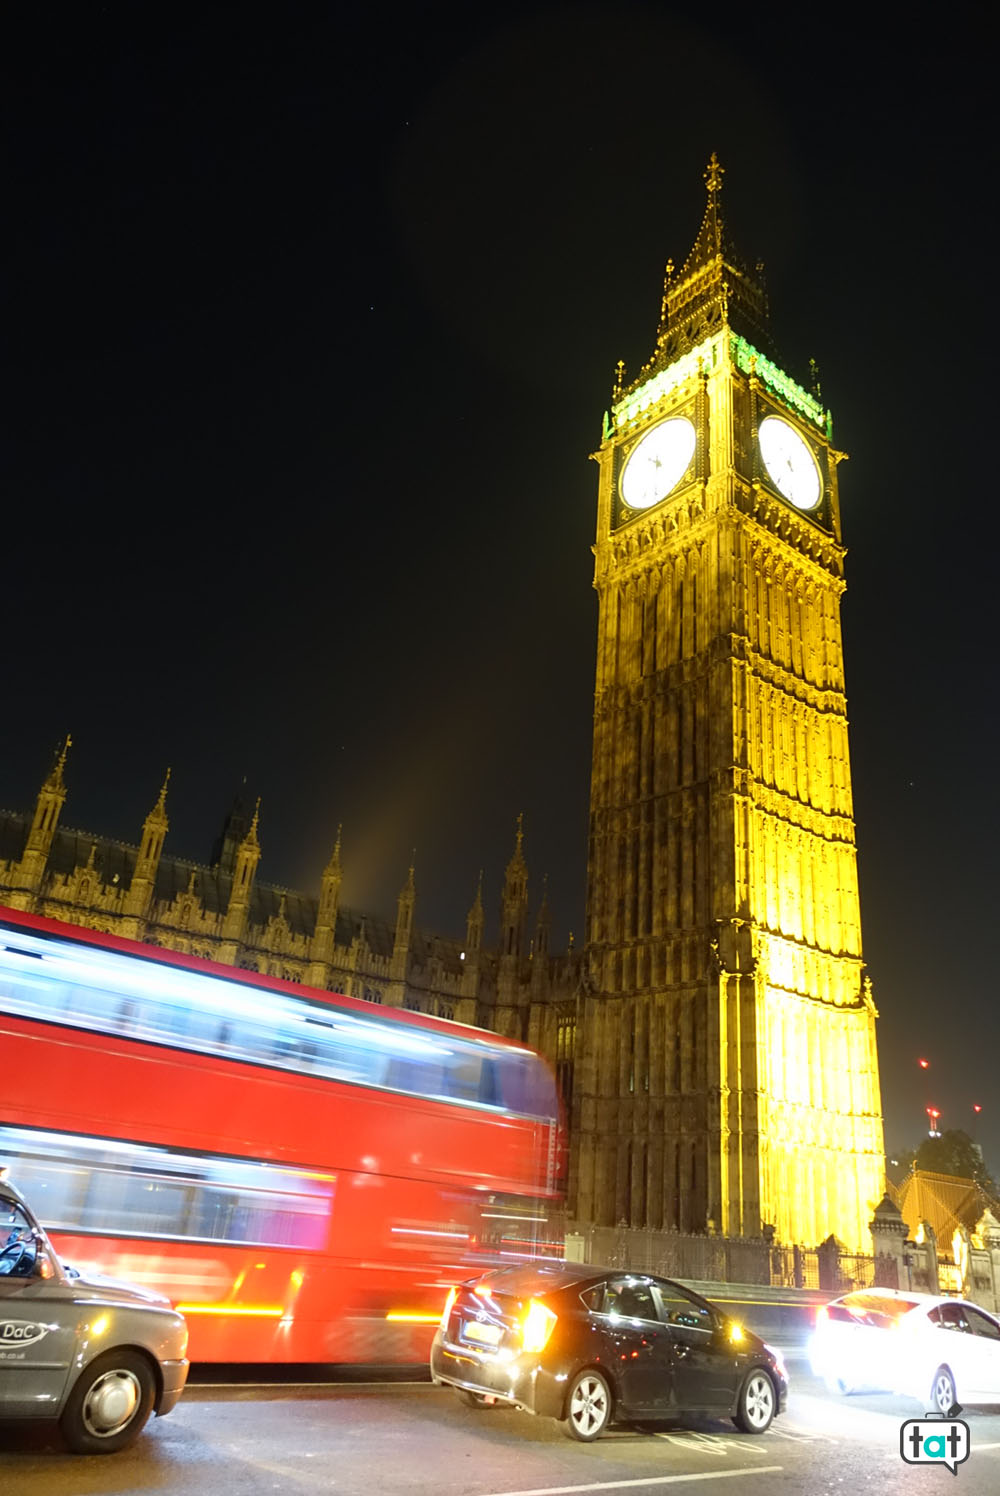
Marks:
<point>485,1334</point>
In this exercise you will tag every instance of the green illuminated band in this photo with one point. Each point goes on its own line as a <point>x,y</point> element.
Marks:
<point>703,359</point>
<point>752,362</point>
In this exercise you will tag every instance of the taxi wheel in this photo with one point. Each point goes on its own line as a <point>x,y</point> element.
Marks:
<point>476,1399</point>
<point>588,1406</point>
<point>755,1408</point>
<point>109,1404</point>
<point>943,1397</point>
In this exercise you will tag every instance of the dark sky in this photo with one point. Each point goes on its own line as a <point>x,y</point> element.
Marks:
<point>309,318</point>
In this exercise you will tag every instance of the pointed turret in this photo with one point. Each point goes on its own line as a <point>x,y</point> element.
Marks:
<point>514,904</point>
<point>324,935</point>
<point>405,905</point>
<point>543,924</point>
<point>140,892</point>
<point>475,922</point>
<point>30,871</point>
<point>245,866</point>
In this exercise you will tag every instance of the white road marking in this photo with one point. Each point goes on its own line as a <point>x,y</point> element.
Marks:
<point>652,1480</point>
<point>704,1443</point>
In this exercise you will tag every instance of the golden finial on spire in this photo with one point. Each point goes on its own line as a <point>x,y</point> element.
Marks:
<point>520,829</point>
<point>714,173</point>
<point>332,869</point>
<point>162,801</point>
<point>55,779</point>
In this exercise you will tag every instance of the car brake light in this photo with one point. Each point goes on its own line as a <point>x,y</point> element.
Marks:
<point>449,1304</point>
<point>536,1326</point>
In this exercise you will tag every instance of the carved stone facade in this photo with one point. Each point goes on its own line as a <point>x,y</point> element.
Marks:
<point>223,911</point>
<point>727,1074</point>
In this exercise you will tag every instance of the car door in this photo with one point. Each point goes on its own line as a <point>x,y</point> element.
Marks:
<point>705,1359</point>
<point>985,1355</point>
<point>953,1344</point>
<point>638,1345</point>
<point>37,1321</point>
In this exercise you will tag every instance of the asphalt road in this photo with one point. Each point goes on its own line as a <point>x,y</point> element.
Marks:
<point>379,1439</point>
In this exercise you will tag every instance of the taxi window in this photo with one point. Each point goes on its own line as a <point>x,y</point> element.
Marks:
<point>630,1298</point>
<point>18,1245</point>
<point>679,1308</point>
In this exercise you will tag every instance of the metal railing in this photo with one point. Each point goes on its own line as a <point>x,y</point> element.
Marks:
<point>720,1259</point>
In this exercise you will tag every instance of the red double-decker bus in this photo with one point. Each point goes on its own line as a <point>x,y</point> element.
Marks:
<point>303,1174</point>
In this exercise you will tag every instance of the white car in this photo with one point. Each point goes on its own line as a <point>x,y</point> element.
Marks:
<point>941,1351</point>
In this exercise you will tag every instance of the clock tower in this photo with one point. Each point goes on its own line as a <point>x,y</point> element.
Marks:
<point>729,1075</point>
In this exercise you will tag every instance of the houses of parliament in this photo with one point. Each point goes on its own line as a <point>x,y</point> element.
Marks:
<point>714,1031</point>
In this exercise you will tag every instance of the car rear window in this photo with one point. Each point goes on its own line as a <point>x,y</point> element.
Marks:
<point>529,1280</point>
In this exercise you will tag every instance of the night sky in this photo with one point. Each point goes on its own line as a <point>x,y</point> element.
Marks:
<point>309,319</point>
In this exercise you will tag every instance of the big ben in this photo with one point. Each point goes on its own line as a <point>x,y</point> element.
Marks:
<point>728,1074</point>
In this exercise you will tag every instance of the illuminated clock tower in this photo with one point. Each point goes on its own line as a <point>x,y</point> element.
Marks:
<point>728,1078</point>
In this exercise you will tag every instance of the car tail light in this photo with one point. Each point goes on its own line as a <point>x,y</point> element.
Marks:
<point>822,1315</point>
<point>536,1326</point>
<point>449,1304</point>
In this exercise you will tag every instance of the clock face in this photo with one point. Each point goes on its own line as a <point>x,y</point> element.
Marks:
<point>790,465</point>
<point>657,463</point>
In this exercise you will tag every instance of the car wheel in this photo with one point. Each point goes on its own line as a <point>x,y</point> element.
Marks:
<point>943,1396</point>
<point>588,1406</point>
<point>110,1403</point>
<point>476,1399</point>
<point>757,1400</point>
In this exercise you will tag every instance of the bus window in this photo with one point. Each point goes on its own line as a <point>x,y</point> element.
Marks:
<point>131,1189</point>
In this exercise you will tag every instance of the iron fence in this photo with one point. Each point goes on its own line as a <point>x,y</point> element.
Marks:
<point>720,1259</point>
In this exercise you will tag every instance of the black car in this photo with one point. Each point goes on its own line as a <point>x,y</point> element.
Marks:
<point>585,1345</point>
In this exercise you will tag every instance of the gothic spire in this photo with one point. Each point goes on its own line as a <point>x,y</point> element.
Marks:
<point>714,287</point>
<point>55,783</point>
<point>333,866</point>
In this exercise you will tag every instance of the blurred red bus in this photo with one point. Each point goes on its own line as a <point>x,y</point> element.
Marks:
<point>303,1174</point>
